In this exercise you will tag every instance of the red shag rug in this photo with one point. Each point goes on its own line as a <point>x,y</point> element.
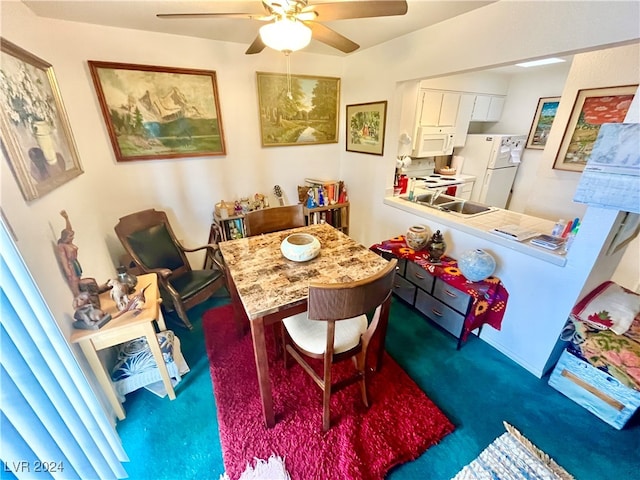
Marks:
<point>400,424</point>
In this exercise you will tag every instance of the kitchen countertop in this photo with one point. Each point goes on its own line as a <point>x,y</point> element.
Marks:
<point>481,226</point>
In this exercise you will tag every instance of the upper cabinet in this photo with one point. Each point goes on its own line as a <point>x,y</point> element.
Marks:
<point>438,108</point>
<point>487,108</point>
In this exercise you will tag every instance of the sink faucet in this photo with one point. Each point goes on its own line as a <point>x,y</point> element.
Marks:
<point>436,193</point>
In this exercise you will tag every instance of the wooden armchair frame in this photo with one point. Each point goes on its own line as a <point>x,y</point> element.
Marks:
<point>164,255</point>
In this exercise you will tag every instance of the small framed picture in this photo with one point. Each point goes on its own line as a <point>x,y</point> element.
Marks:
<point>365,127</point>
<point>542,121</point>
<point>592,108</point>
<point>35,132</point>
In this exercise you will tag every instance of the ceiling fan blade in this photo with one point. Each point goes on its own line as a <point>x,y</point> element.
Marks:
<point>256,47</point>
<point>358,9</point>
<point>324,34</point>
<point>252,16</point>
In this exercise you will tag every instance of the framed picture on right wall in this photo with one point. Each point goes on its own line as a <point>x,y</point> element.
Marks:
<point>592,108</point>
<point>542,121</point>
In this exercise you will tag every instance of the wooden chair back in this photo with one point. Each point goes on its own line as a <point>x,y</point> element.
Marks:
<point>273,219</point>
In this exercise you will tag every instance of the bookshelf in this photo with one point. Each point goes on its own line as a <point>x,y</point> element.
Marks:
<point>336,215</point>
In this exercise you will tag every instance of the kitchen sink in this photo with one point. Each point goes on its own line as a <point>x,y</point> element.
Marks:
<point>466,208</point>
<point>427,199</point>
<point>449,204</point>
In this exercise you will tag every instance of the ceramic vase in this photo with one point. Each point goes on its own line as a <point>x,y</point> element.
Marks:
<point>476,265</point>
<point>417,237</point>
<point>436,246</point>
<point>44,136</point>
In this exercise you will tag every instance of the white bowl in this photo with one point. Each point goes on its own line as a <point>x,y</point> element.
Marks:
<point>300,247</point>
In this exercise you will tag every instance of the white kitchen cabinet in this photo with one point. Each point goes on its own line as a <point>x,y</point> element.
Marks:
<point>438,108</point>
<point>487,108</point>
<point>465,109</point>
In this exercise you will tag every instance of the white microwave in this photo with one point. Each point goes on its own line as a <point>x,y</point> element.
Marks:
<point>434,141</point>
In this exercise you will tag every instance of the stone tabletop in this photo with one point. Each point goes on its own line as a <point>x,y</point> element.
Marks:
<point>267,282</point>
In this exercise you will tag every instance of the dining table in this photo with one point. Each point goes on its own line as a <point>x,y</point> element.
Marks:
<point>266,287</point>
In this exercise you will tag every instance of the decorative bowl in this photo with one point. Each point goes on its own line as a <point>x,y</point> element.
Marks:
<point>300,247</point>
<point>476,265</point>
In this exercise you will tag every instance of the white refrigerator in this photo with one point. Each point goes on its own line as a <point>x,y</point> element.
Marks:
<point>494,161</point>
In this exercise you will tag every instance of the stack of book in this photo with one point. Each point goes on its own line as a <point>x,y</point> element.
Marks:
<point>333,191</point>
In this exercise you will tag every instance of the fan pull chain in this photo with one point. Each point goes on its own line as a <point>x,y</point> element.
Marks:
<point>288,56</point>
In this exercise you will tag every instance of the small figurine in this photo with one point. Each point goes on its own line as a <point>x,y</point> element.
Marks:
<point>118,293</point>
<point>344,197</point>
<point>311,202</point>
<point>135,304</point>
<point>237,208</point>
<point>320,197</point>
<point>68,256</point>
<point>86,315</point>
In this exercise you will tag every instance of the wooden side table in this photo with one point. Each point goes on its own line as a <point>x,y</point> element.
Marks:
<point>128,326</point>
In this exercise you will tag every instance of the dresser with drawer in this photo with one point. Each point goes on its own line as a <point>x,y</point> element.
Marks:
<point>440,302</point>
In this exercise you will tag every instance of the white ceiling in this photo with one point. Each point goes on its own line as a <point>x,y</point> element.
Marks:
<point>141,15</point>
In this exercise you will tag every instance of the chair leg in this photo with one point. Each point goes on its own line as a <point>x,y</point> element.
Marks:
<point>283,339</point>
<point>362,370</point>
<point>326,394</point>
<point>183,316</point>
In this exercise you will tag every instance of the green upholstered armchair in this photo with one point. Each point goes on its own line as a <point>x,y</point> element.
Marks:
<point>147,236</point>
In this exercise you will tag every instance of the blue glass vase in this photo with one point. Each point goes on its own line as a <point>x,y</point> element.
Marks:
<point>476,265</point>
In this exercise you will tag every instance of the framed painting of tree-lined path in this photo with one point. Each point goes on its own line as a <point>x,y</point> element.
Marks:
<point>298,109</point>
<point>159,112</point>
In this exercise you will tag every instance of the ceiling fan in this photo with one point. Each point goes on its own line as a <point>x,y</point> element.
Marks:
<point>292,23</point>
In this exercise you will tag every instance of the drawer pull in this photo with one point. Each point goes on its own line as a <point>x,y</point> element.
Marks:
<point>417,275</point>
<point>436,312</point>
<point>450,293</point>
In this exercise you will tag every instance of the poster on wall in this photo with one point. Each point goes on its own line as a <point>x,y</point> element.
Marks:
<point>36,134</point>
<point>159,112</point>
<point>592,108</point>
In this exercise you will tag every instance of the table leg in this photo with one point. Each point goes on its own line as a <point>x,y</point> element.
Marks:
<point>102,376</point>
<point>262,368</point>
<point>162,326</point>
<point>152,341</point>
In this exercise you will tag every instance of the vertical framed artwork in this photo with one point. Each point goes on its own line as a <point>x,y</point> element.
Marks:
<point>36,134</point>
<point>542,121</point>
<point>298,109</point>
<point>365,127</point>
<point>592,108</point>
<point>159,112</point>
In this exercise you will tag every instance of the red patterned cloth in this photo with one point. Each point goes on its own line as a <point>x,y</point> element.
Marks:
<point>489,296</point>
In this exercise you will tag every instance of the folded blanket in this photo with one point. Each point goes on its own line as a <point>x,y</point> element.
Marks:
<point>608,306</point>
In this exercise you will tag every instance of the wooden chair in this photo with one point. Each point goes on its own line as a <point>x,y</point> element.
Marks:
<point>336,328</point>
<point>273,219</point>
<point>148,238</point>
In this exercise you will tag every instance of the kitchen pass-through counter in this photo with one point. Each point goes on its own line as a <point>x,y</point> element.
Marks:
<point>482,225</point>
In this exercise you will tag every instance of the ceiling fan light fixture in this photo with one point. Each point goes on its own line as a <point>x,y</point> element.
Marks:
<point>285,35</point>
